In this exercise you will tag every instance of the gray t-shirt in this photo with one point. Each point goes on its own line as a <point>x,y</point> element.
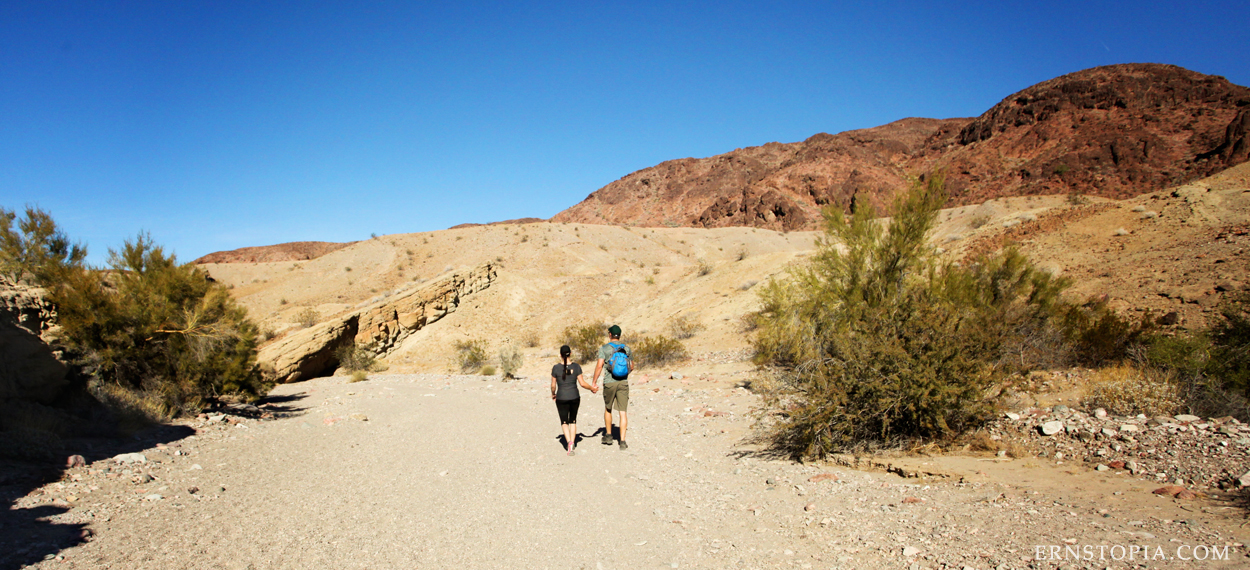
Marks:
<point>605,352</point>
<point>566,384</point>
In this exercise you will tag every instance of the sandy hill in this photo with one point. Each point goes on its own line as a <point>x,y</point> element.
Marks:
<point>1175,250</point>
<point>1114,132</point>
<point>291,251</point>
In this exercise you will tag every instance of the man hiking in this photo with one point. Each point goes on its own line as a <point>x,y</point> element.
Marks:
<point>615,364</point>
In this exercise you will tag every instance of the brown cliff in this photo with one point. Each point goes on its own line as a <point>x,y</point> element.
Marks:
<point>292,251</point>
<point>1114,131</point>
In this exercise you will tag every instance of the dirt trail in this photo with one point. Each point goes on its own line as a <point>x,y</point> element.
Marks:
<point>438,471</point>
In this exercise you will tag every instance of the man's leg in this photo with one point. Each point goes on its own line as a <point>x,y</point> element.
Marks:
<point>607,426</point>
<point>624,424</point>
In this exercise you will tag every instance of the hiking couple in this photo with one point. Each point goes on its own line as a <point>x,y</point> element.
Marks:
<point>615,364</point>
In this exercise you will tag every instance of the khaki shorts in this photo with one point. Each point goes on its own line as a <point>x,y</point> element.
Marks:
<point>616,396</point>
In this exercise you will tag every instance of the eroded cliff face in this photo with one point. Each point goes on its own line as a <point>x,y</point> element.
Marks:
<point>310,353</point>
<point>30,368</point>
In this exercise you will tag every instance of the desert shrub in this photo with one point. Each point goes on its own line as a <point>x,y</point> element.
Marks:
<point>978,222</point>
<point>531,338</point>
<point>356,358</point>
<point>1125,390</point>
<point>470,354</point>
<point>487,370</point>
<point>585,340</point>
<point>160,331</point>
<point>657,350</point>
<point>704,267</point>
<point>1231,351</point>
<point>358,376</point>
<point>1100,336</point>
<point>36,250</point>
<point>878,340</point>
<point>510,360</point>
<point>307,317</point>
<point>683,327</point>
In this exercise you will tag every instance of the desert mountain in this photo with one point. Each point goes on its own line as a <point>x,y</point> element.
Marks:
<point>292,251</point>
<point>1116,131</point>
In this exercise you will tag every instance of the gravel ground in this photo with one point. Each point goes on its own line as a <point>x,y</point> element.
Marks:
<point>438,471</point>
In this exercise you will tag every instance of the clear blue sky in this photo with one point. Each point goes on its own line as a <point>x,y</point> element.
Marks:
<point>216,124</point>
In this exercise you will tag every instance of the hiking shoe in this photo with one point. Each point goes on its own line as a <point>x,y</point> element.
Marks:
<point>607,439</point>
<point>624,445</point>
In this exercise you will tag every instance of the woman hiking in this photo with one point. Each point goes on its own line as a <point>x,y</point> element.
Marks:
<point>565,378</point>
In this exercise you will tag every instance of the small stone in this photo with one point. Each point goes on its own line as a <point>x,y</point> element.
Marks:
<point>911,500</point>
<point>1059,409</point>
<point>1013,416</point>
<point>217,418</point>
<point>130,458</point>
<point>1186,418</point>
<point>909,551</point>
<point>1130,428</point>
<point>195,467</point>
<point>1051,428</point>
<point>75,461</point>
<point>193,490</point>
<point>677,376</point>
<point>143,478</point>
<point>1187,495</point>
<point>1102,467</point>
<point>1170,490</point>
<point>1110,432</point>
<point>359,417</point>
<point>810,507</point>
<point>825,522</point>
<point>822,477</point>
<point>153,497</point>
<point>1100,413</point>
<point>1116,464</point>
<point>1244,480</point>
<point>770,481</point>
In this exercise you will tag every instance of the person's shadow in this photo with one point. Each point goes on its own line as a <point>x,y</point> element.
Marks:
<point>564,442</point>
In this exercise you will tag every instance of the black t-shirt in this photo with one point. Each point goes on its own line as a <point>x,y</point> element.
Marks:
<point>566,387</point>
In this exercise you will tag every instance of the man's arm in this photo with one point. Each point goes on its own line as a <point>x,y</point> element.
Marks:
<point>598,369</point>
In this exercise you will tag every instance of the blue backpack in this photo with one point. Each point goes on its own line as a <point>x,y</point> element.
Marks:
<point>618,363</point>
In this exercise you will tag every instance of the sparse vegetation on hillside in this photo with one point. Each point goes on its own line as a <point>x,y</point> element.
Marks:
<point>683,327</point>
<point>510,360</point>
<point>307,317</point>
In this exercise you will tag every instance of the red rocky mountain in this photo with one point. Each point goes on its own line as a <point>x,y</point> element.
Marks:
<point>1114,131</point>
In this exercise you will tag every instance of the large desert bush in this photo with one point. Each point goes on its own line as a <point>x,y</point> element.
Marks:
<point>878,340</point>
<point>357,358</point>
<point>510,360</point>
<point>585,340</point>
<point>36,250</point>
<point>657,350</point>
<point>470,355</point>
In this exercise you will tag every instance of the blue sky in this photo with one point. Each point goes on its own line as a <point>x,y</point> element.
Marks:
<point>217,125</point>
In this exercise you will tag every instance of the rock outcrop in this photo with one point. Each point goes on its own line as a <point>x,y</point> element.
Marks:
<point>382,326</point>
<point>1115,131</point>
<point>30,368</point>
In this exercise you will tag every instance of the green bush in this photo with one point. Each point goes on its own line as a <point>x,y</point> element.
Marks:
<point>683,327</point>
<point>355,358</point>
<point>585,340</point>
<point>510,360</point>
<point>487,370</point>
<point>159,330</point>
<point>878,340</point>
<point>470,355</point>
<point>657,350</point>
<point>37,250</point>
<point>307,317</point>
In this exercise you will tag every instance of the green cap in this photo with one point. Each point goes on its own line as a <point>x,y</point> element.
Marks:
<point>614,330</point>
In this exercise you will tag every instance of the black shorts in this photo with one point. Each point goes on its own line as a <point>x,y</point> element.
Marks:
<point>568,410</point>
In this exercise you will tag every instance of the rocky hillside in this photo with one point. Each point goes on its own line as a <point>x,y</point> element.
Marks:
<point>1114,131</point>
<point>293,251</point>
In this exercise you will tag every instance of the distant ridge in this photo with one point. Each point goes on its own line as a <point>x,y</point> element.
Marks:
<point>291,251</point>
<point>1114,131</point>
<point>516,221</point>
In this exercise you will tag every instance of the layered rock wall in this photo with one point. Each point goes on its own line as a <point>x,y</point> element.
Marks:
<point>381,326</point>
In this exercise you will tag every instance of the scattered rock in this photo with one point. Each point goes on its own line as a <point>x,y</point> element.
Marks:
<point>361,417</point>
<point>1013,416</point>
<point>1186,418</point>
<point>1051,428</point>
<point>130,458</point>
<point>1100,413</point>
<point>75,461</point>
<point>831,477</point>
<point>909,551</point>
<point>153,497</point>
<point>1102,467</point>
<point>809,507</point>
<point>912,500</point>
<point>1170,490</point>
<point>193,490</point>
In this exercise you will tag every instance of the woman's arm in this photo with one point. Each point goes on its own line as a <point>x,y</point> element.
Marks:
<point>553,387</point>
<point>581,380</point>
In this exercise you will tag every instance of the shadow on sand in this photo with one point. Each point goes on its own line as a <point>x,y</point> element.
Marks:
<point>32,535</point>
